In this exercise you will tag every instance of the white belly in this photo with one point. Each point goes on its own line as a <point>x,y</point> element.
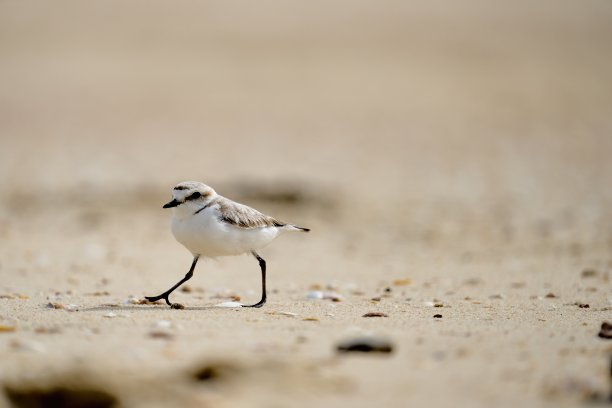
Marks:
<point>203,234</point>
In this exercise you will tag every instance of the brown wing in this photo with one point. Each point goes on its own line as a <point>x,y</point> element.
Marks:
<point>242,216</point>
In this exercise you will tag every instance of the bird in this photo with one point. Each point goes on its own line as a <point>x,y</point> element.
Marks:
<point>210,225</point>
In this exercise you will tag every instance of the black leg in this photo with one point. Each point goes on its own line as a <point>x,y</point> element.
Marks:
<point>262,265</point>
<point>169,291</point>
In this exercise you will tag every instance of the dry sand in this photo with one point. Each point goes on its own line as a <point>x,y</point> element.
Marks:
<point>451,158</point>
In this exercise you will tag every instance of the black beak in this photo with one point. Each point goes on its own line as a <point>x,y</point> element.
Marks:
<point>172,203</point>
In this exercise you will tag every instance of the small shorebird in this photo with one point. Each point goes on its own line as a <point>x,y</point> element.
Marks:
<point>210,225</point>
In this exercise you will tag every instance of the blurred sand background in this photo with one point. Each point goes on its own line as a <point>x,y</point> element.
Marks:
<point>457,153</point>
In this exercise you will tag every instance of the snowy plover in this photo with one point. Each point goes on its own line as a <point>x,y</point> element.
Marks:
<point>210,225</point>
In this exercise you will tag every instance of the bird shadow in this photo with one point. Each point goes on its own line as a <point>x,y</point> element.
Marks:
<point>145,308</point>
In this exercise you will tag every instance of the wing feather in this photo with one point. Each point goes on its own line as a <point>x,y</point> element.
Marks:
<point>242,216</point>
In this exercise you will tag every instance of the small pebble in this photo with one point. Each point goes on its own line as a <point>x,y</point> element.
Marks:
<point>437,316</point>
<point>161,334</point>
<point>375,314</point>
<point>583,305</point>
<point>315,294</point>
<point>217,371</point>
<point>310,319</point>
<point>177,306</point>
<point>139,301</point>
<point>402,282</point>
<point>333,296</point>
<point>72,308</point>
<point>55,305</point>
<point>365,345</point>
<point>606,330</point>
<point>550,295</point>
<point>54,393</point>
<point>229,304</point>
<point>589,273</point>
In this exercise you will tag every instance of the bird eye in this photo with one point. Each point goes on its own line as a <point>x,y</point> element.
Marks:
<point>194,196</point>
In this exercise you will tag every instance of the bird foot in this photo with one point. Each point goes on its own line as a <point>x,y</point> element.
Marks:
<point>160,297</point>
<point>257,305</point>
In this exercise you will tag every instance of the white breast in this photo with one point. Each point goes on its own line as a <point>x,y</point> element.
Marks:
<point>204,234</point>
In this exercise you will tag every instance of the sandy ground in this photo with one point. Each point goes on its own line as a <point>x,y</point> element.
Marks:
<point>451,158</point>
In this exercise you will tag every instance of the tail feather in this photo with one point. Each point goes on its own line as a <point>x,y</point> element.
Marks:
<point>295,227</point>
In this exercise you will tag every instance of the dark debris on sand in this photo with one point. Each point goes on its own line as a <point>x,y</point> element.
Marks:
<point>365,345</point>
<point>59,396</point>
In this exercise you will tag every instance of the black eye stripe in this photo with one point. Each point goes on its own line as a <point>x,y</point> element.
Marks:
<point>194,196</point>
